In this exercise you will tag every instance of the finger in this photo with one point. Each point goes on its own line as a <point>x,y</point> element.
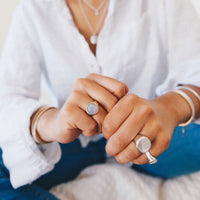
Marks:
<point>117,116</point>
<point>160,140</point>
<point>116,87</point>
<point>82,100</point>
<point>129,153</point>
<point>128,130</point>
<point>124,135</point>
<point>79,119</point>
<point>159,145</point>
<point>151,129</point>
<point>96,92</point>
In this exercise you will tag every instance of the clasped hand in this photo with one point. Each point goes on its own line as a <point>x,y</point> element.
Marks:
<point>122,118</point>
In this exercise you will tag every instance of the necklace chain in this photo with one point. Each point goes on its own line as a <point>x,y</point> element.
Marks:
<point>93,38</point>
<point>93,8</point>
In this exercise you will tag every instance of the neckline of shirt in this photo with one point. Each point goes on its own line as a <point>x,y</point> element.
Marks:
<point>65,13</point>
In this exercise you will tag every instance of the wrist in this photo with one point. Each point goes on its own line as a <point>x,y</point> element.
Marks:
<point>46,125</point>
<point>176,106</point>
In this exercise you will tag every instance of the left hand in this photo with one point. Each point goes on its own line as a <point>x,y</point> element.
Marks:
<point>132,117</point>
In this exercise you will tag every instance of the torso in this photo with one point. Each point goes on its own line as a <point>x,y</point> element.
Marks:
<point>128,48</point>
<point>80,21</point>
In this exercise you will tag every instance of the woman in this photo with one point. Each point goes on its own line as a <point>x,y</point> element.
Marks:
<point>114,67</point>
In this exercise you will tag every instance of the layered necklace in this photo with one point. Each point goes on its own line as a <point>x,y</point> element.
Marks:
<point>93,38</point>
<point>96,10</point>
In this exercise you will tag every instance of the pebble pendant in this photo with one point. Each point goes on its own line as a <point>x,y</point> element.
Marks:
<point>96,12</point>
<point>93,39</point>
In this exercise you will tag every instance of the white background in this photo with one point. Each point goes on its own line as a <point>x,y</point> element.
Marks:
<point>6,9</point>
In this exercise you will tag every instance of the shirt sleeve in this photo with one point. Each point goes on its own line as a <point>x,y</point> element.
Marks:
<point>182,42</point>
<point>20,73</point>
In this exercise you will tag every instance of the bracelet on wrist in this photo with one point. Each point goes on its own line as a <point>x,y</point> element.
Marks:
<point>190,103</point>
<point>191,90</point>
<point>34,123</point>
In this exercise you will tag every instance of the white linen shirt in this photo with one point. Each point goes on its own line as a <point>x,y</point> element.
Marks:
<point>151,45</point>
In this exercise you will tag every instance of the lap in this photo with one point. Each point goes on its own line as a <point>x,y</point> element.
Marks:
<point>182,156</point>
<point>29,192</point>
<point>74,159</point>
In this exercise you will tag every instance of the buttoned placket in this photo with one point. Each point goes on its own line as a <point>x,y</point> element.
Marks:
<point>100,53</point>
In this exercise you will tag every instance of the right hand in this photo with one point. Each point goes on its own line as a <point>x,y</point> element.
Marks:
<point>66,124</point>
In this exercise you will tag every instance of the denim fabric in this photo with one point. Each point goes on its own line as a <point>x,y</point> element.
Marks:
<point>182,156</point>
<point>74,159</point>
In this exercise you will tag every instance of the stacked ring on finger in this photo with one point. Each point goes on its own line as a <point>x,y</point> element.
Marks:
<point>143,144</point>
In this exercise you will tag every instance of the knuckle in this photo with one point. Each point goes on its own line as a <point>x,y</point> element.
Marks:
<point>156,127</point>
<point>76,94</point>
<point>92,128</point>
<point>91,75</point>
<point>132,98</point>
<point>120,90</point>
<point>88,133</point>
<point>81,83</point>
<point>63,140</point>
<point>146,111</point>
<point>68,109</point>
<point>78,83</point>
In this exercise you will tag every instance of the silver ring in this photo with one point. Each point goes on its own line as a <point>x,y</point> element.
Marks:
<point>92,108</point>
<point>143,144</point>
<point>152,159</point>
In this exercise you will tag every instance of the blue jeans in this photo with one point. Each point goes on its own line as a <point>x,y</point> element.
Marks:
<point>74,159</point>
<point>182,157</point>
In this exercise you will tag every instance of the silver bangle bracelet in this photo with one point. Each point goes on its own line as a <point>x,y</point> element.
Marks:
<point>191,90</point>
<point>190,103</point>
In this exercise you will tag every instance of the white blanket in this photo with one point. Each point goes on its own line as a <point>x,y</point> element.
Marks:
<point>112,181</point>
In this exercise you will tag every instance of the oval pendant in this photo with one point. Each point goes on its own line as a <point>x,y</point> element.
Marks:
<point>93,39</point>
<point>96,12</point>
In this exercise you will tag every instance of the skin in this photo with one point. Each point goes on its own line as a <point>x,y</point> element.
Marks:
<point>123,118</point>
<point>80,21</point>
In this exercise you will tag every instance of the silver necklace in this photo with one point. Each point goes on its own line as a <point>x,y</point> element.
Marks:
<point>93,38</point>
<point>96,10</point>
